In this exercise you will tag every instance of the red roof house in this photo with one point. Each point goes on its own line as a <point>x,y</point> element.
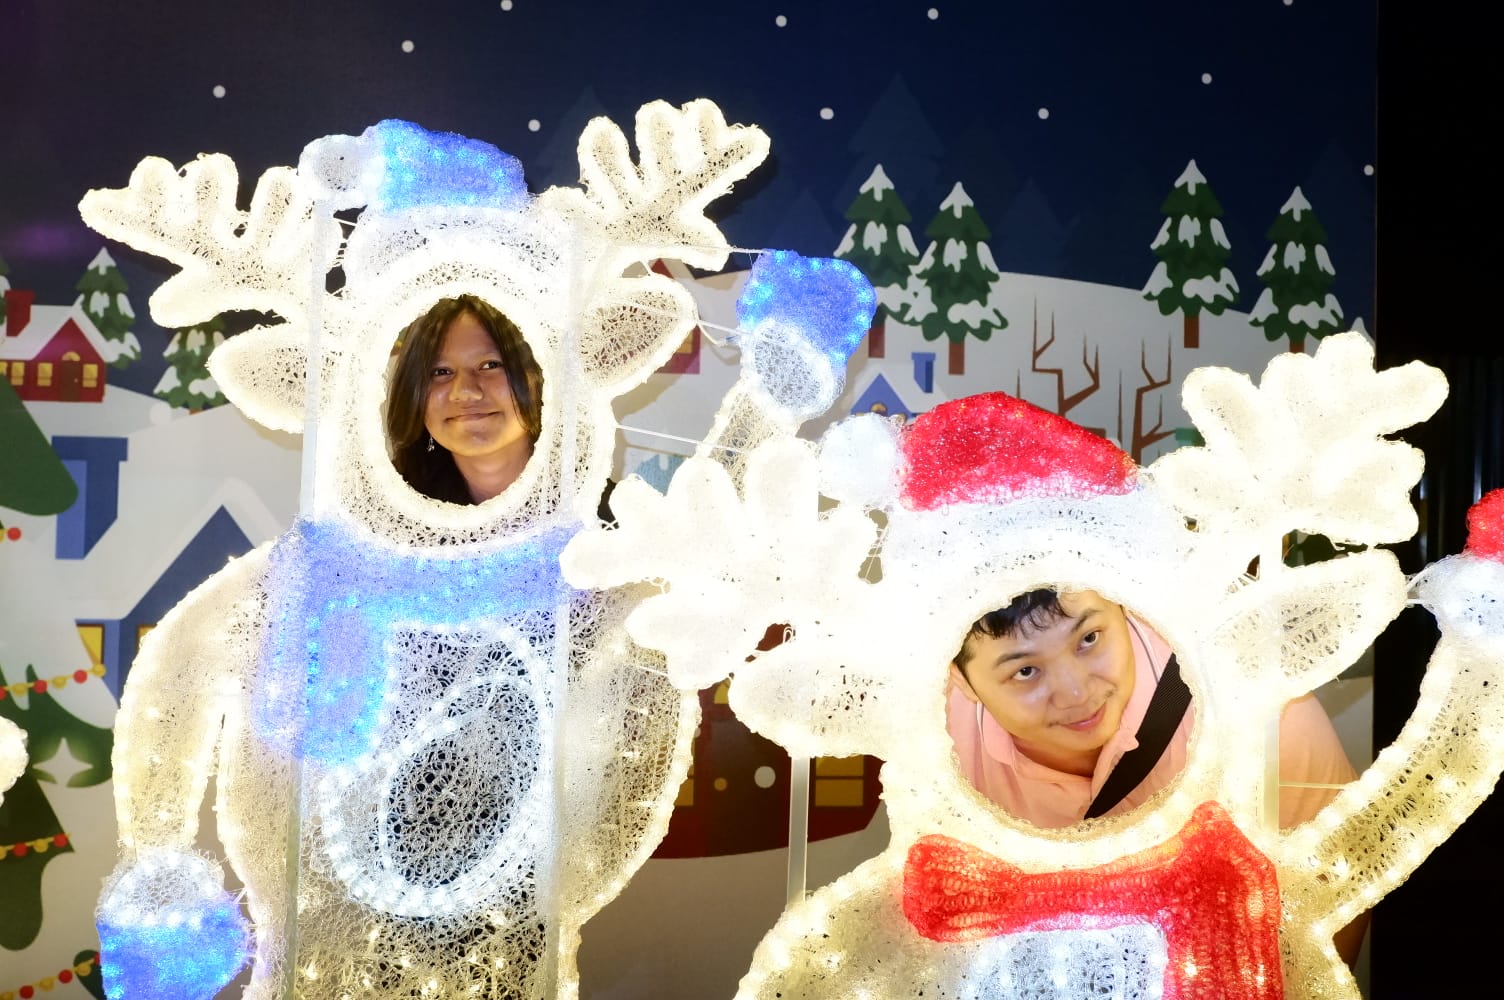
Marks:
<point>51,353</point>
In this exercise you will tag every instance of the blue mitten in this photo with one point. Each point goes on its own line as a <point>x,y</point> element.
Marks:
<point>168,928</point>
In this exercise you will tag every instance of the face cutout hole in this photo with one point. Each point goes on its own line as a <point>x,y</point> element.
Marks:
<point>464,402</point>
<point>1044,693</point>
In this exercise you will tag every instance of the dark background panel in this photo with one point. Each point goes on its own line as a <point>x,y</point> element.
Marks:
<point>1438,81</point>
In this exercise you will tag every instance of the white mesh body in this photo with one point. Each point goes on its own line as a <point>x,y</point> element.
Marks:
<point>874,615</point>
<point>454,901</point>
<point>489,756</point>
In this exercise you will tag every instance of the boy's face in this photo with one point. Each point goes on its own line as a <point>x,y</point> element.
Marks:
<point>1059,690</point>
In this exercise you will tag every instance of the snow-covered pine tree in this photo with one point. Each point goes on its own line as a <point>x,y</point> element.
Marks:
<point>1192,274</point>
<point>954,289</point>
<point>1297,273</point>
<point>879,243</point>
<point>102,293</point>
<point>187,382</point>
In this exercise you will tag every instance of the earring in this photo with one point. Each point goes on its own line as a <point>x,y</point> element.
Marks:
<point>430,442</point>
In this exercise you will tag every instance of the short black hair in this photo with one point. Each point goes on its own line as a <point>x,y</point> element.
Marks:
<point>1034,609</point>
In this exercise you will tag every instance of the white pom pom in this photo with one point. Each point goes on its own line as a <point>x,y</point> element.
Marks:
<point>859,461</point>
<point>342,170</point>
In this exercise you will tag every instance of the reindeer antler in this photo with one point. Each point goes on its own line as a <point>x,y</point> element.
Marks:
<point>259,260</point>
<point>689,157</point>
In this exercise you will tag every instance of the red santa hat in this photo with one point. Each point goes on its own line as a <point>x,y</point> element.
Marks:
<point>993,448</point>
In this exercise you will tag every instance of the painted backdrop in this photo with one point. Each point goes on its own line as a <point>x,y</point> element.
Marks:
<point>1076,203</point>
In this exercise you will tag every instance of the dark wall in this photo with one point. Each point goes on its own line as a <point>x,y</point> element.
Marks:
<point>1436,234</point>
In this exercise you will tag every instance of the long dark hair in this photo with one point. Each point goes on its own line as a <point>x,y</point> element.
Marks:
<point>430,469</point>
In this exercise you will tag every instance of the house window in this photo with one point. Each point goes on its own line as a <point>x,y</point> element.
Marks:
<point>44,373</point>
<point>91,376</point>
<point>93,638</point>
<point>839,781</point>
<point>17,372</point>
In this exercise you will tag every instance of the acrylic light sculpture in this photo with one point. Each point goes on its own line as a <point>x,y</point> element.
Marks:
<point>1194,894</point>
<point>12,755</point>
<point>433,759</point>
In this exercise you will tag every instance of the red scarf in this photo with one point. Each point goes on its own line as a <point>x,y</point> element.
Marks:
<point>1211,893</point>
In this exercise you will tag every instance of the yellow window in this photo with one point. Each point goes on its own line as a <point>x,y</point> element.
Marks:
<point>91,376</point>
<point>17,372</point>
<point>44,373</point>
<point>93,638</point>
<point>838,781</point>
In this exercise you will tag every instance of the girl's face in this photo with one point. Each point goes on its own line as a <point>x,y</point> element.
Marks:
<point>469,407</point>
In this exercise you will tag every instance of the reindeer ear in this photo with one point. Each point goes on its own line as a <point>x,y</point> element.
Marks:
<point>262,371</point>
<point>641,323</point>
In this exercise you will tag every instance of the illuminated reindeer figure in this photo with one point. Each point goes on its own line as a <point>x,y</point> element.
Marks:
<point>434,760</point>
<point>1194,894</point>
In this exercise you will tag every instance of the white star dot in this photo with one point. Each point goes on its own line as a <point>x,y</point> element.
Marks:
<point>407,45</point>
<point>933,14</point>
<point>534,124</point>
<point>827,113</point>
<point>506,4</point>
<point>781,21</point>
<point>1368,170</point>
<point>219,90</point>
<point>1044,113</point>
<point>1206,78</point>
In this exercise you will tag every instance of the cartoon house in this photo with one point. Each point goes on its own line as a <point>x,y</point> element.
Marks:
<point>736,797</point>
<point>52,353</point>
<point>881,397</point>
<point>146,527</point>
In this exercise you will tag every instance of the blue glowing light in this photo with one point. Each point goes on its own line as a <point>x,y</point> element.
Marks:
<point>336,601</point>
<point>188,954</point>
<point>827,300</point>
<point>442,168</point>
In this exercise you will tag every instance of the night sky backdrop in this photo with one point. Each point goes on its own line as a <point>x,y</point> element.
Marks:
<point>1067,122</point>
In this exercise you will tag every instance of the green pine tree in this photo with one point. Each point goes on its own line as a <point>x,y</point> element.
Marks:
<point>954,289</point>
<point>1297,273</point>
<point>26,816</point>
<point>879,243</point>
<point>1192,275</point>
<point>33,480</point>
<point>187,382</point>
<point>102,293</point>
